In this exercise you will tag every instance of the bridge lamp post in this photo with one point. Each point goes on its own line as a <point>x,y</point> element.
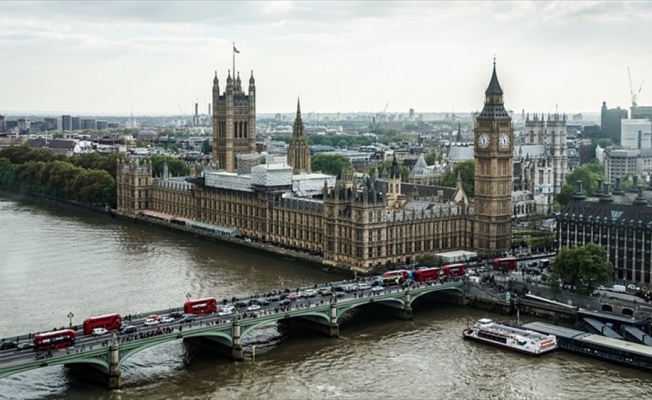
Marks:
<point>188,296</point>
<point>70,317</point>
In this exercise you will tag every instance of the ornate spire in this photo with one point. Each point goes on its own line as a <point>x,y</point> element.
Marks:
<point>252,81</point>
<point>494,86</point>
<point>215,80</point>
<point>493,104</point>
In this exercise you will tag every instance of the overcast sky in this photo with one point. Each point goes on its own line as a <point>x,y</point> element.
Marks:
<point>159,57</point>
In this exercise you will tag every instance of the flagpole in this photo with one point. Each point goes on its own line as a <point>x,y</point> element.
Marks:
<point>233,61</point>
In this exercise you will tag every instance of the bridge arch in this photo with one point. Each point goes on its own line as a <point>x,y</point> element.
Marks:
<point>103,365</point>
<point>125,354</point>
<point>398,303</point>
<point>319,315</point>
<point>435,290</point>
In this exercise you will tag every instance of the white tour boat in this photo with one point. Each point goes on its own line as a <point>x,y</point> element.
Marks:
<point>508,337</point>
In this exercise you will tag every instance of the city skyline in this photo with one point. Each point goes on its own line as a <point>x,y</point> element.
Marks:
<point>105,59</point>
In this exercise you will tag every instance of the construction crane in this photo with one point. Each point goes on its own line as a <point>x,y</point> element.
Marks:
<point>374,126</point>
<point>631,89</point>
<point>130,118</point>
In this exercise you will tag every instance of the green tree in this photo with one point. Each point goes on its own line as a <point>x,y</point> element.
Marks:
<point>584,267</point>
<point>176,167</point>
<point>432,157</point>
<point>588,174</point>
<point>430,260</point>
<point>466,171</point>
<point>565,195</point>
<point>331,164</point>
<point>604,143</point>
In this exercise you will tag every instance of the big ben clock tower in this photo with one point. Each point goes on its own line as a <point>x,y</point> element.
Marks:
<point>493,148</point>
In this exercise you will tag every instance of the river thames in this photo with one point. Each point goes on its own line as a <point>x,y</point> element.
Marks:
<point>55,261</point>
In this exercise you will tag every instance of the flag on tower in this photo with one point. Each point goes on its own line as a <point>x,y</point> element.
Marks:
<point>235,50</point>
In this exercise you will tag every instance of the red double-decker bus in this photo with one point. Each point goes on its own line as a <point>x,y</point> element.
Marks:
<point>108,322</point>
<point>201,306</point>
<point>54,340</point>
<point>395,277</point>
<point>425,275</point>
<point>507,263</point>
<point>453,270</point>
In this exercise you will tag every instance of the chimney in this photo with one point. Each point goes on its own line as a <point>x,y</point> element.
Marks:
<point>618,190</point>
<point>579,194</point>
<point>640,199</point>
<point>606,197</point>
<point>600,191</point>
<point>634,188</point>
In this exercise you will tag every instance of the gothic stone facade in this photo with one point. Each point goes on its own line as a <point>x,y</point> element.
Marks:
<point>359,223</point>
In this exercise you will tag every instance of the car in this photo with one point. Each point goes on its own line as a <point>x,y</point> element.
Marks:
<point>128,329</point>
<point>285,302</point>
<point>99,331</point>
<point>7,345</point>
<point>364,286</point>
<point>273,298</point>
<point>377,289</point>
<point>24,346</point>
<point>291,297</point>
<point>166,320</point>
<point>325,291</point>
<point>254,307</point>
<point>156,317</point>
<point>175,314</point>
<point>351,288</point>
<point>263,302</point>
<point>240,304</point>
<point>151,322</point>
<point>187,318</point>
<point>225,313</point>
<point>229,309</point>
<point>310,293</point>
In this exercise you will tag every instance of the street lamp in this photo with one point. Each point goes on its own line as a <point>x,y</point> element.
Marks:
<point>70,317</point>
<point>188,296</point>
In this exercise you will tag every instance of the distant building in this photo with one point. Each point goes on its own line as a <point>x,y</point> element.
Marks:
<point>641,112</point>
<point>101,125</point>
<point>76,124</point>
<point>88,124</point>
<point>621,163</point>
<point>51,124</point>
<point>610,122</point>
<point>636,133</point>
<point>2,123</point>
<point>24,124</point>
<point>66,123</point>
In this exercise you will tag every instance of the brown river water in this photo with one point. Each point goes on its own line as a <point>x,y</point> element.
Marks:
<point>54,260</point>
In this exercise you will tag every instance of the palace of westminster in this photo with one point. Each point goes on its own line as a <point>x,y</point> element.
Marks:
<point>358,222</point>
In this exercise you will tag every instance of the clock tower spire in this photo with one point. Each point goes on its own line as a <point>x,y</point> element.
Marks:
<point>494,170</point>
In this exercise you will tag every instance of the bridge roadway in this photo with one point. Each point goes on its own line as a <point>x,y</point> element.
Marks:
<point>107,352</point>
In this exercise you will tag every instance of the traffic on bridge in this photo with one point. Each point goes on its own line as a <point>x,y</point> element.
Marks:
<point>105,341</point>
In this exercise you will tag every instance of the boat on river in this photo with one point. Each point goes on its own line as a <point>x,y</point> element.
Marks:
<point>510,338</point>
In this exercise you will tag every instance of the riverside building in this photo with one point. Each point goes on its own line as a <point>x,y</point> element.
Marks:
<point>360,223</point>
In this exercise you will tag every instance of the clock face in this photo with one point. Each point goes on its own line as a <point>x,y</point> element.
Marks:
<point>483,141</point>
<point>503,142</point>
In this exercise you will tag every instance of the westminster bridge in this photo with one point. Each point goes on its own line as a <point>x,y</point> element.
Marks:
<point>223,331</point>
